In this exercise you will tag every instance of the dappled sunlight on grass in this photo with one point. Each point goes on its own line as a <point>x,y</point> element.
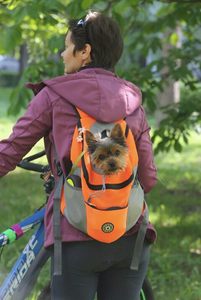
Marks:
<point>161,217</point>
<point>175,210</point>
<point>181,170</point>
<point>194,246</point>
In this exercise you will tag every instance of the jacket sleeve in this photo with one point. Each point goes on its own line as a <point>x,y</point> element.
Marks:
<point>36,123</point>
<point>146,168</point>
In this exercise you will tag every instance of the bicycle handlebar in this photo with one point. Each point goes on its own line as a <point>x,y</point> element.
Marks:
<point>37,155</point>
<point>31,166</point>
<point>27,165</point>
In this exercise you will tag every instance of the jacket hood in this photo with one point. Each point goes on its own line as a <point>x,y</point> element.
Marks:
<point>96,91</point>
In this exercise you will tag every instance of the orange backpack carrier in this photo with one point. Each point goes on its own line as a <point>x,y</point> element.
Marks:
<point>102,208</point>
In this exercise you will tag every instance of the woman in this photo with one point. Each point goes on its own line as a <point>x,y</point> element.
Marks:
<point>93,47</point>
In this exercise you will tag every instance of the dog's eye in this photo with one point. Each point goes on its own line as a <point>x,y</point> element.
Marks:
<point>101,157</point>
<point>116,153</point>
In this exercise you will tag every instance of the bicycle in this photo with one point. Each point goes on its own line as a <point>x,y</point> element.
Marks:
<point>23,276</point>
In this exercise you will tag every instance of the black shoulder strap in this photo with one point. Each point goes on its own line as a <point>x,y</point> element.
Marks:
<point>127,128</point>
<point>76,111</point>
<point>140,240</point>
<point>56,220</point>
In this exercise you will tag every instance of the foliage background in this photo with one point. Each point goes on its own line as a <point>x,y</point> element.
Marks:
<point>147,26</point>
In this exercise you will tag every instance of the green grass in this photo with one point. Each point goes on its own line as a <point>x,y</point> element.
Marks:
<point>175,207</point>
<point>175,210</point>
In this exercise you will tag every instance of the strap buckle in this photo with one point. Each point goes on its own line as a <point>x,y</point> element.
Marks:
<point>59,169</point>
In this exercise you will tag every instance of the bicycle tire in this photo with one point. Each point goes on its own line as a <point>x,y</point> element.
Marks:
<point>146,292</point>
<point>46,293</point>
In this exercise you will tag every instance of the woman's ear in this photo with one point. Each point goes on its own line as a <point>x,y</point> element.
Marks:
<point>86,53</point>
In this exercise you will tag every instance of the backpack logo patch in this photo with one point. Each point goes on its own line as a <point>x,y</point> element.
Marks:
<point>107,227</point>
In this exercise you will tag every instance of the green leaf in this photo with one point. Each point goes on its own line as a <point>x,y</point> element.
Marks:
<point>119,19</point>
<point>73,10</point>
<point>32,12</point>
<point>56,42</point>
<point>86,4</point>
<point>101,5</point>
<point>161,146</point>
<point>20,14</point>
<point>177,146</point>
<point>174,38</point>
<point>15,106</point>
<point>50,20</point>
<point>185,139</point>
<point>12,38</point>
<point>120,6</point>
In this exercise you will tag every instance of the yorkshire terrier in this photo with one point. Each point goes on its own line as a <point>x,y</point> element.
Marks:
<point>108,155</point>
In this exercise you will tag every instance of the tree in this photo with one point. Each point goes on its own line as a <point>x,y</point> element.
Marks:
<point>171,88</point>
<point>42,25</point>
<point>179,1</point>
<point>23,59</point>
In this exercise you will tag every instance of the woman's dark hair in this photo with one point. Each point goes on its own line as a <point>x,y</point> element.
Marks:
<point>104,36</point>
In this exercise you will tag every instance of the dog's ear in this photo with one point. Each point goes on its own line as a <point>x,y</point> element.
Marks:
<point>91,141</point>
<point>89,137</point>
<point>117,132</point>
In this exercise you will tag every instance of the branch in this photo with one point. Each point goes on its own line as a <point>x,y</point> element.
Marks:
<point>180,1</point>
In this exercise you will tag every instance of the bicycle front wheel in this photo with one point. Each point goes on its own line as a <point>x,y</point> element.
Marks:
<point>146,292</point>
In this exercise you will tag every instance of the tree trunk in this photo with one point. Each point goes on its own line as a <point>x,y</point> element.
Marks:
<point>171,90</point>
<point>23,59</point>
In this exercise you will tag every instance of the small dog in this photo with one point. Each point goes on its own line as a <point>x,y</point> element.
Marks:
<point>108,155</point>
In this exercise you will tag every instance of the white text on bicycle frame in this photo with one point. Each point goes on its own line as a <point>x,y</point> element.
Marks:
<point>21,269</point>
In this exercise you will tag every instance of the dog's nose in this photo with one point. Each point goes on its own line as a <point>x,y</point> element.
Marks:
<point>112,164</point>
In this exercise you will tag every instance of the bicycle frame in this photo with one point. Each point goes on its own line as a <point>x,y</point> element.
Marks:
<point>28,256</point>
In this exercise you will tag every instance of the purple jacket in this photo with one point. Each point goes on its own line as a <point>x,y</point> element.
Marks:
<point>102,95</point>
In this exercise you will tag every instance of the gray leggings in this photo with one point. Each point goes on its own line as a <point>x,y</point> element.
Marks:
<point>90,267</point>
